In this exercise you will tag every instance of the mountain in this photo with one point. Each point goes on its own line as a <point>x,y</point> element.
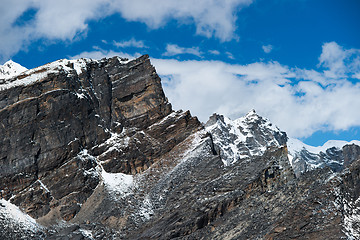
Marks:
<point>91,149</point>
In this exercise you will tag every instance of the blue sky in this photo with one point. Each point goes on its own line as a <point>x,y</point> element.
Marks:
<point>296,62</point>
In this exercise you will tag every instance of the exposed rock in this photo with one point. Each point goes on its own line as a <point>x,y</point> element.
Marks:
<point>351,153</point>
<point>55,111</point>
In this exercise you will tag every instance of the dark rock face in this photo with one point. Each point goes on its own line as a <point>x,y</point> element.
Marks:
<point>351,153</point>
<point>96,145</point>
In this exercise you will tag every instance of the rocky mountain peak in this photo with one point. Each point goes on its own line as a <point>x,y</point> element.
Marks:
<point>252,113</point>
<point>244,137</point>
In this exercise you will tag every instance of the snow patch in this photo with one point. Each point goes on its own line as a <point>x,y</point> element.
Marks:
<point>146,209</point>
<point>118,183</point>
<point>86,233</point>
<point>43,186</point>
<point>16,216</point>
<point>116,142</point>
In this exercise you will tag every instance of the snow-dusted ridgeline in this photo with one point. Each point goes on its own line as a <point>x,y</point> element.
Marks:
<point>244,137</point>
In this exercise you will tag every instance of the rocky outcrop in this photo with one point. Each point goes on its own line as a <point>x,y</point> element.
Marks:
<point>51,114</point>
<point>351,153</point>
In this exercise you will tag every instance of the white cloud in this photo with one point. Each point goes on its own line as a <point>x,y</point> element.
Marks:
<point>267,48</point>
<point>214,52</point>
<point>230,55</point>
<point>299,101</point>
<point>130,43</point>
<point>211,17</point>
<point>173,49</point>
<point>101,53</point>
<point>68,20</point>
<point>339,62</point>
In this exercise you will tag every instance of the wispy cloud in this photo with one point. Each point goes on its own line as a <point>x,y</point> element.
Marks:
<point>230,55</point>
<point>211,17</point>
<point>130,43</point>
<point>214,52</point>
<point>102,53</point>
<point>173,50</point>
<point>267,48</point>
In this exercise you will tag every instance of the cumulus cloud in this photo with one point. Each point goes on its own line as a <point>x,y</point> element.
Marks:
<point>130,43</point>
<point>267,48</point>
<point>299,101</point>
<point>68,20</point>
<point>339,61</point>
<point>173,49</point>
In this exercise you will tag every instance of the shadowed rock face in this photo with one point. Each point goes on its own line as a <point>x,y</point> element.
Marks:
<point>96,144</point>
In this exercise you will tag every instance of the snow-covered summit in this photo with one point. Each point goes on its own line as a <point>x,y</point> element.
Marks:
<point>30,76</point>
<point>295,145</point>
<point>10,69</point>
<point>244,137</point>
<point>13,74</point>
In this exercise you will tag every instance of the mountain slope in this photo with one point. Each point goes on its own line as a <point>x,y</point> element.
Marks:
<point>93,150</point>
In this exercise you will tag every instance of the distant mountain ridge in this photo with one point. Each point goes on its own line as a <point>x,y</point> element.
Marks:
<point>91,149</point>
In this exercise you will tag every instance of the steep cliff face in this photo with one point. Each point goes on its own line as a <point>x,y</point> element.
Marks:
<point>92,150</point>
<point>51,114</point>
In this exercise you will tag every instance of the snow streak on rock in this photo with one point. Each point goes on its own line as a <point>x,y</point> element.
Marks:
<point>352,219</point>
